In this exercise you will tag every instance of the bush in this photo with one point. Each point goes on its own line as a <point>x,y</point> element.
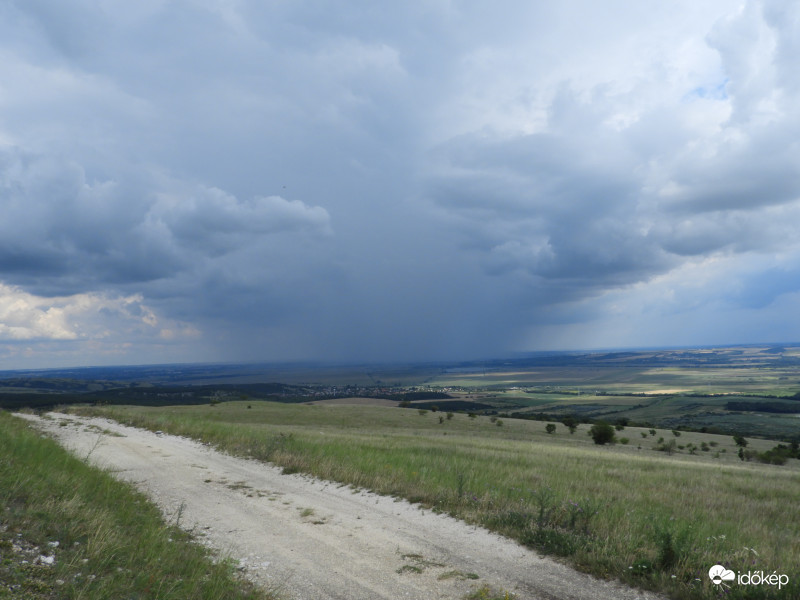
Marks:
<point>771,457</point>
<point>602,433</point>
<point>668,447</point>
<point>623,440</point>
<point>676,433</point>
<point>550,428</point>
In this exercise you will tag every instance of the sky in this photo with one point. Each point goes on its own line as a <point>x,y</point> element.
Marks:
<point>238,180</point>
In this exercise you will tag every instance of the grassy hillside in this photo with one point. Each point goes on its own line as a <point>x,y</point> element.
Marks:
<point>71,531</point>
<point>626,511</point>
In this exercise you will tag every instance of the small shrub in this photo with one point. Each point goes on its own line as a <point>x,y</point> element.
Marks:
<point>421,411</point>
<point>619,426</point>
<point>676,433</point>
<point>550,428</point>
<point>668,447</point>
<point>653,432</point>
<point>623,440</point>
<point>472,415</point>
<point>644,434</point>
<point>499,423</point>
<point>449,416</point>
<point>441,419</point>
<point>740,441</point>
<point>570,423</point>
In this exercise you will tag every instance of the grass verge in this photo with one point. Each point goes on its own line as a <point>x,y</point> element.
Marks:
<point>68,531</point>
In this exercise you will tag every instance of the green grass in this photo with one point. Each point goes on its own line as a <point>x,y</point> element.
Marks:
<point>625,512</point>
<point>106,539</point>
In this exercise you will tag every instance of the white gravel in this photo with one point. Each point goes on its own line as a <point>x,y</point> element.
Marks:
<point>317,540</point>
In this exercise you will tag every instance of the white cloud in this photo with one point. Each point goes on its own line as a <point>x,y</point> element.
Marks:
<point>81,318</point>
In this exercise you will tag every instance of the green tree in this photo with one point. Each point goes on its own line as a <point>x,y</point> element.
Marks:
<point>570,423</point>
<point>602,433</point>
<point>551,428</point>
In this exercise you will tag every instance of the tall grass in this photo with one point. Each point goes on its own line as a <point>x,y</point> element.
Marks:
<point>655,521</point>
<point>104,539</point>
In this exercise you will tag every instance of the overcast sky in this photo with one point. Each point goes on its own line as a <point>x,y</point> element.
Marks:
<point>230,180</point>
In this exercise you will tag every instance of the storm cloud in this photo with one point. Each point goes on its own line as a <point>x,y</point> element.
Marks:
<point>233,180</point>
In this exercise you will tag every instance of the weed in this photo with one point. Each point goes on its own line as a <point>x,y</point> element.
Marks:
<point>545,500</point>
<point>486,593</point>
<point>410,569</point>
<point>460,485</point>
<point>457,575</point>
<point>418,564</point>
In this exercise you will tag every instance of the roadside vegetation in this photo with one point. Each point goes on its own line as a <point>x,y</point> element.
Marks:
<point>71,531</point>
<point>631,510</point>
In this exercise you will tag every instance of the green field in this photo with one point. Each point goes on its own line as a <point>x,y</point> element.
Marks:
<point>625,511</point>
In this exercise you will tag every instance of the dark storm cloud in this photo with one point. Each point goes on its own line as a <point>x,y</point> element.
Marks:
<point>59,227</point>
<point>429,179</point>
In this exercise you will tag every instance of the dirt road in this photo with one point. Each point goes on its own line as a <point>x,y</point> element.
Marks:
<point>317,540</point>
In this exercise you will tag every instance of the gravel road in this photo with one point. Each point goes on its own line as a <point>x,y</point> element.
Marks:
<point>317,540</point>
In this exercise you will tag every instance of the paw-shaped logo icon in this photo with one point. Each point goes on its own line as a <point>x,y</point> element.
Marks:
<point>718,574</point>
